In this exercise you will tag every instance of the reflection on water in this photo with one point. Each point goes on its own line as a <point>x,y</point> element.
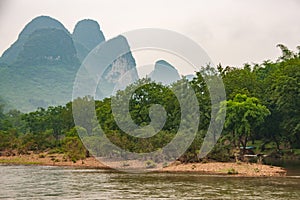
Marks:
<point>292,166</point>
<point>37,182</point>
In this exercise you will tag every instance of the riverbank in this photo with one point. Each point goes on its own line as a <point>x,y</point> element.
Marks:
<point>51,160</point>
<point>222,168</point>
<point>234,169</point>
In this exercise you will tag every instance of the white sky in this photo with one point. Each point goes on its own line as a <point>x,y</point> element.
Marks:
<point>230,31</point>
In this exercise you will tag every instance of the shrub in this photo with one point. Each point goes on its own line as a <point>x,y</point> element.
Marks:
<point>126,164</point>
<point>74,148</point>
<point>165,165</point>
<point>232,171</point>
<point>42,156</point>
<point>257,170</point>
<point>150,164</point>
<point>55,150</point>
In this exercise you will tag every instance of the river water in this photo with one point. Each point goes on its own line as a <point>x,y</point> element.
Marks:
<point>40,182</point>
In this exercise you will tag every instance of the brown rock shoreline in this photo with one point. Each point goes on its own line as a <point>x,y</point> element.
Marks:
<point>215,168</point>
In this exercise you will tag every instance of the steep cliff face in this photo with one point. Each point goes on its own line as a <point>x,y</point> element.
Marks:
<point>43,22</point>
<point>86,36</point>
<point>123,67</point>
<point>164,73</point>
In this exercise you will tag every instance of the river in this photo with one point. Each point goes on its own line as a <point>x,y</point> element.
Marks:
<point>41,182</point>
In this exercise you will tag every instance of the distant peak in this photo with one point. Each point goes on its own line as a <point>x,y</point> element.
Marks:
<point>164,72</point>
<point>87,22</point>
<point>117,44</point>
<point>41,22</point>
<point>87,32</point>
<point>122,39</point>
<point>164,63</point>
<point>43,17</point>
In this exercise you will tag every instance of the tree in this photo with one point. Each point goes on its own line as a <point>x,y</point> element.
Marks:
<point>73,146</point>
<point>286,53</point>
<point>244,114</point>
<point>285,98</point>
<point>55,121</point>
<point>243,81</point>
<point>84,114</point>
<point>36,122</point>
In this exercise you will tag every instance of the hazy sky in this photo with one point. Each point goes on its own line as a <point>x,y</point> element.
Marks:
<point>231,31</point>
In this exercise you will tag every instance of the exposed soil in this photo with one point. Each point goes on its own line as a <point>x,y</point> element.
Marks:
<point>51,160</point>
<point>234,169</point>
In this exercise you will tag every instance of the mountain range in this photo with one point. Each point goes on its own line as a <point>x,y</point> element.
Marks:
<point>39,68</point>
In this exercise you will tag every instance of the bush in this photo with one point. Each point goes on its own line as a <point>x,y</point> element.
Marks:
<point>74,148</point>
<point>150,164</point>
<point>257,170</point>
<point>232,171</point>
<point>126,164</point>
<point>220,153</point>
<point>42,156</point>
<point>165,165</point>
<point>55,150</point>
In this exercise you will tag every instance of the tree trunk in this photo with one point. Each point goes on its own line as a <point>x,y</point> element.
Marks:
<point>277,143</point>
<point>234,142</point>
<point>245,144</point>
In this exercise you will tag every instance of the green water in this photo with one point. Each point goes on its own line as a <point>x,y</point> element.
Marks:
<point>37,182</point>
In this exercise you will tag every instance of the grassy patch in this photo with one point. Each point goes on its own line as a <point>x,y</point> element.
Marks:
<point>257,170</point>
<point>56,151</point>
<point>19,161</point>
<point>232,171</point>
<point>150,164</point>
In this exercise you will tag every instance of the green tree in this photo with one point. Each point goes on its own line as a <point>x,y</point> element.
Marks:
<point>243,81</point>
<point>73,146</point>
<point>55,121</point>
<point>244,114</point>
<point>285,98</point>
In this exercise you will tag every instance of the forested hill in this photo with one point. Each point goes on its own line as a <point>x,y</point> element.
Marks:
<point>39,68</point>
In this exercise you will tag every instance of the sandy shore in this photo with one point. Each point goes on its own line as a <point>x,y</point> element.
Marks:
<point>51,160</point>
<point>232,169</point>
<point>235,169</point>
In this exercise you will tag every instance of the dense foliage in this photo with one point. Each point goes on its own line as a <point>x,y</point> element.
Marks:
<point>263,102</point>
